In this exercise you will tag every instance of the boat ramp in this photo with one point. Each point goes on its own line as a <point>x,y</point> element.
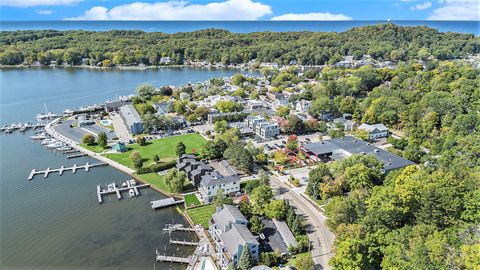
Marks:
<point>60,171</point>
<point>113,189</point>
<point>165,203</point>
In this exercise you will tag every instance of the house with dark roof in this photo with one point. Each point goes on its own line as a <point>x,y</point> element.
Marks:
<point>229,231</point>
<point>194,168</point>
<point>341,148</point>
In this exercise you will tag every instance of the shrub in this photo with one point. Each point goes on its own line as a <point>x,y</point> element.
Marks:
<point>157,167</point>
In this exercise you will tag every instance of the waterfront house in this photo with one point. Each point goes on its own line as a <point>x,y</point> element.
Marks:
<point>132,119</point>
<point>229,231</point>
<point>111,106</point>
<point>375,131</point>
<point>212,182</point>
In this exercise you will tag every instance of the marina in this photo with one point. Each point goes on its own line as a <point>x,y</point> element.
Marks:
<point>129,185</point>
<point>60,171</point>
<point>165,203</point>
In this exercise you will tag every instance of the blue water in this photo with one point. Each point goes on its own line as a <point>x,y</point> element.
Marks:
<point>472,27</point>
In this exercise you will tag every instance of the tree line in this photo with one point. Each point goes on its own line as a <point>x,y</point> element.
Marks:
<point>127,47</point>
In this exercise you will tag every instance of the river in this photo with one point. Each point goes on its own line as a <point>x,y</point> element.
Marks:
<point>57,223</point>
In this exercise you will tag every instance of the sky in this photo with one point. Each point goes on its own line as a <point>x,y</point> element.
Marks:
<point>240,9</point>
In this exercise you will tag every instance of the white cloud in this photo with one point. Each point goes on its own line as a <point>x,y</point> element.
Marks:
<point>35,3</point>
<point>180,10</point>
<point>326,16</point>
<point>422,6</point>
<point>44,12</point>
<point>457,10</point>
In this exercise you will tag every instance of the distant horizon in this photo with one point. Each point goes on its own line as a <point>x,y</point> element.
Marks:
<point>239,26</point>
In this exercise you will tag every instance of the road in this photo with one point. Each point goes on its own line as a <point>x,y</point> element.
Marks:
<point>320,237</point>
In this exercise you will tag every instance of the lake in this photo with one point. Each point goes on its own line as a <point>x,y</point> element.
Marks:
<point>57,223</point>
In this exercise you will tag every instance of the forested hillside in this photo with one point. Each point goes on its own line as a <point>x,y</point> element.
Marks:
<point>385,41</point>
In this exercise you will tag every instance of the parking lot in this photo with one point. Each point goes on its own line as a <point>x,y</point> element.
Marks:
<point>76,133</point>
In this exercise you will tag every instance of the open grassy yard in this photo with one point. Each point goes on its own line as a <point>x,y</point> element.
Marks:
<point>155,180</point>
<point>191,200</point>
<point>201,215</point>
<point>164,148</point>
<point>95,147</point>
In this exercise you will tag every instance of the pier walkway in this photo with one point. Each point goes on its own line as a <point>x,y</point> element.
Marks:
<point>183,243</point>
<point>116,190</point>
<point>60,171</point>
<point>173,259</point>
<point>165,202</point>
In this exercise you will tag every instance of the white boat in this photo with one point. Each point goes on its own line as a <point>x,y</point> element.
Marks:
<point>64,148</point>
<point>39,136</point>
<point>111,186</point>
<point>48,141</point>
<point>55,145</point>
<point>132,182</point>
<point>124,184</point>
<point>131,193</point>
<point>47,115</point>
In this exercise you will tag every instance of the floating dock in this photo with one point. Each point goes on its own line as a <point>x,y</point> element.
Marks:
<point>165,203</point>
<point>117,191</point>
<point>173,259</point>
<point>183,243</point>
<point>60,171</point>
<point>77,155</point>
<point>177,227</point>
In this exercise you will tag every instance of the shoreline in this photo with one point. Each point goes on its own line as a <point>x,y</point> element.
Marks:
<point>122,68</point>
<point>50,131</point>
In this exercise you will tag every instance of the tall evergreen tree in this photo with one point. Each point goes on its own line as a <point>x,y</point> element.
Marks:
<point>246,260</point>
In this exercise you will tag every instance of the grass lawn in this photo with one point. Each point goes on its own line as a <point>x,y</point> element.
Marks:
<point>191,200</point>
<point>95,148</point>
<point>164,148</point>
<point>297,257</point>
<point>201,215</point>
<point>155,180</point>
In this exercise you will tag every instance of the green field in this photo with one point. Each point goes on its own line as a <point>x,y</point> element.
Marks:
<point>155,180</point>
<point>164,148</point>
<point>201,215</point>
<point>191,200</point>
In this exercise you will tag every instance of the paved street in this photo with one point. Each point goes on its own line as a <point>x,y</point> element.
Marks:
<point>320,237</point>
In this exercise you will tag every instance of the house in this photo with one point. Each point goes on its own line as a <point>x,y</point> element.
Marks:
<point>165,60</point>
<point>163,107</point>
<point>229,231</point>
<point>119,147</point>
<point>375,131</point>
<point>279,98</point>
<point>302,105</point>
<point>184,96</point>
<point>194,168</point>
<point>341,148</point>
<point>212,182</point>
<point>132,119</point>
<point>111,106</point>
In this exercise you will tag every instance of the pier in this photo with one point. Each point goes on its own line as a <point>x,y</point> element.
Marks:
<point>60,171</point>
<point>165,203</point>
<point>77,155</point>
<point>183,243</point>
<point>113,189</point>
<point>173,259</point>
<point>177,227</point>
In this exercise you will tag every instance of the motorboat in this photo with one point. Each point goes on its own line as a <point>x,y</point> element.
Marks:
<point>132,182</point>
<point>47,115</point>
<point>39,136</point>
<point>111,186</point>
<point>56,144</point>
<point>64,148</point>
<point>131,193</point>
<point>124,184</point>
<point>48,141</point>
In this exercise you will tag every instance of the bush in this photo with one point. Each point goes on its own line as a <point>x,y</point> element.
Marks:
<point>88,139</point>
<point>157,167</point>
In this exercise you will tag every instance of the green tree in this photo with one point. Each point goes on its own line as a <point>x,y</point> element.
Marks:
<point>276,209</point>
<point>220,126</point>
<point>180,149</point>
<point>141,140</point>
<point>102,140</point>
<point>176,180</point>
<point>256,225</point>
<point>156,158</point>
<point>283,111</point>
<point>246,261</point>
<point>146,91</point>
<point>88,139</point>
<point>305,264</point>
<point>260,198</point>
<point>221,198</point>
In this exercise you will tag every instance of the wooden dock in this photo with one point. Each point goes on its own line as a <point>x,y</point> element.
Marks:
<point>173,259</point>
<point>77,155</point>
<point>165,203</point>
<point>60,171</point>
<point>183,243</point>
<point>117,191</point>
<point>177,227</point>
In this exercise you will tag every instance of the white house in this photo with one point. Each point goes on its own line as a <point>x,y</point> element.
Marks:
<point>211,183</point>
<point>375,131</point>
<point>302,105</point>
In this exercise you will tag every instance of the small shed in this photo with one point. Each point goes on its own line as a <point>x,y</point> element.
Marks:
<point>119,147</point>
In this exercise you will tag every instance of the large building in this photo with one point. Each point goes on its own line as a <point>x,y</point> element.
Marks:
<point>261,127</point>
<point>230,233</point>
<point>132,119</point>
<point>341,148</point>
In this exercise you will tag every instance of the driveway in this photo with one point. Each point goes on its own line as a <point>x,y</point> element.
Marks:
<point>120,127</point>
<point>320,236</point>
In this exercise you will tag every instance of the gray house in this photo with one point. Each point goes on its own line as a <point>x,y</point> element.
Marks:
<point>132,119</point>
<point>230,233</point>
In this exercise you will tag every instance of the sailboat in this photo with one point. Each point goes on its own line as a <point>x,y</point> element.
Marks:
<point>47,115</point>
